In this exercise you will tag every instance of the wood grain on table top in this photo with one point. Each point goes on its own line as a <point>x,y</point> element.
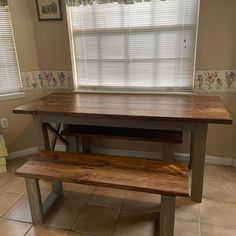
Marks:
<point>180,108</point>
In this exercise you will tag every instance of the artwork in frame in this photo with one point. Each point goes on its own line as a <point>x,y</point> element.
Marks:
<point>49,9</point>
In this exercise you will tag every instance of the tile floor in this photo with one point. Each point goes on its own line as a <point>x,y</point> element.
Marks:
<point>86,210</point>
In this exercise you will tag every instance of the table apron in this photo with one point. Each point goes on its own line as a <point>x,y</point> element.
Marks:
<point>116,122</point>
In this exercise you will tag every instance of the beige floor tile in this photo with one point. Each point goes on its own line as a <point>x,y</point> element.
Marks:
<point>232,174</point>
<point>137,201</point>
<point>108,197</point>
<point>41,231</point>
<point>14,185</point>
<point>65,213</point>
<point>96,220</point>
<point>234,186</point>
<point>7,200</point>
<point>218,190</point>
<point>46,185</point>
<point>138,214</point>
<point>218,213</point>
<point>186,228</point>
<point>187,210</point>
<point>20,212</point>
<point>218,173</point>
<point>13,228</point>
<point>212,230</point>
<point>135,224</point>
<point>83,191</point>
<point>4,177</point>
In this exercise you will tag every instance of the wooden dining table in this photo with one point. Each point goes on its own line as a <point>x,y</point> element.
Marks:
<point>190,113</point>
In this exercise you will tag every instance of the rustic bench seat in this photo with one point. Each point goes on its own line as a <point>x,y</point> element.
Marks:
<point>168,179</point>
<point>81,133</point>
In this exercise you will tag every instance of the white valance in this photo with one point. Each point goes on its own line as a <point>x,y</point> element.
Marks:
<point>90,2</point>
<point>3,3</point>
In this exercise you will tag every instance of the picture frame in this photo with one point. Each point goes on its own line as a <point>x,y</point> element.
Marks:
<point>49,10</point>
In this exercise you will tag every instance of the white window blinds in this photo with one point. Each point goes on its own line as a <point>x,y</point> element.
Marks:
<point>9,71</point>
<point>146,45</point>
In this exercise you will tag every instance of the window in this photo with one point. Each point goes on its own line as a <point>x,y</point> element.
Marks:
<point>140,46</point>
<point>10,82</point>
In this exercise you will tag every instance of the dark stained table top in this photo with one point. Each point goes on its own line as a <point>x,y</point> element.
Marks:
<point>160,107</point>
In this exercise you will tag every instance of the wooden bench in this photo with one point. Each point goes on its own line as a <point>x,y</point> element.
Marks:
<point>81,133</point>
<point>168,179</point>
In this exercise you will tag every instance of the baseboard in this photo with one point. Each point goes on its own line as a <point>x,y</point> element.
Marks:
<point>221,161</point>
<point>179,157</point>
<point>234,163</point>
<point>29,151</point>
<point>21,153</point>
<point>129,153</point>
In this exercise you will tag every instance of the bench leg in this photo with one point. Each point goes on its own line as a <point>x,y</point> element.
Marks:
<point>57,188</point>
<point>167,215</point>
<point>168,152</point>
<point>35,201</point>
<point>40,208</point>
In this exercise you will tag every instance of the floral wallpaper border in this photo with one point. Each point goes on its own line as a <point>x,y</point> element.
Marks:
<point>215,81</point>
<point>208,81</point>
<point>38,80</point>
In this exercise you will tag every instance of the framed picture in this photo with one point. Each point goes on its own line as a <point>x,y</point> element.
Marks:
<point>49,9</point>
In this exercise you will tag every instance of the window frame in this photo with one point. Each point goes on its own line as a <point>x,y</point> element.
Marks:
<point>133,89</point>
<point>13,95</point>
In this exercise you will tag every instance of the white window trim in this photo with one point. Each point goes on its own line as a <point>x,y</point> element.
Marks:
<point>99,89</point>
<point>12,96</point>
<point>16,94</point>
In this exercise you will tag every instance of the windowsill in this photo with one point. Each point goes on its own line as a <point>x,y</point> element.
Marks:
<point>12,96</point>
<point>92,90</point>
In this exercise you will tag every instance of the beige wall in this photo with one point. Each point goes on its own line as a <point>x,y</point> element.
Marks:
<point>24,35</point>
<point>216,49</point>
<point>44,45</point>
<point>20,133</point>
<point>52,41</point>
<point>217,35</point>
<point>41,45</point>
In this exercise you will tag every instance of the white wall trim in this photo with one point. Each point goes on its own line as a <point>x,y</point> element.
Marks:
<point>179,157</point>
<point>21,153</point>
<point>234,163</point>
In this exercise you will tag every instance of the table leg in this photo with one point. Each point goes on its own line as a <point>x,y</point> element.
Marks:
<point>191,151</point>
<point>198,161</point>
<point>167,216</point>
<point>44,144</point>
<point>41,133</point>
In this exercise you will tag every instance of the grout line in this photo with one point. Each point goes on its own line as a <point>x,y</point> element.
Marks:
<point>223,226</point>
<point>118,216</point>
<point>200,228</point>
<point>125,197</point>
<point>115,223</point>
<point>92,193</point>
<point>10,208</point>
<point>19,221</point>
<point>86,203</point>
<point>28,230</point>
<point>199,214</point>
<point>76,218</point>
